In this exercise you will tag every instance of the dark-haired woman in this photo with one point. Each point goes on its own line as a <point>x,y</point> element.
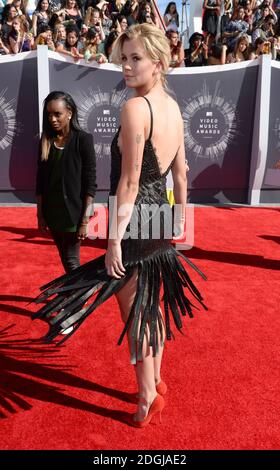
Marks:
<point>41,17</point>
<point>66,175</point>
<point>197,54</point>
<point>171,17</point>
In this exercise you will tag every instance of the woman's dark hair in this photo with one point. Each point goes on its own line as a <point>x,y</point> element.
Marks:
<point>194,37</point>
<point>142,9</point>
<point>259,42</point>
<point>78,4</point>
<point>216,51</point>
<point>168,8</point>
<point>91,34</point>
<point>6,12</point>
<point>48,132</point>
<point>142,17</point>
<point>39,5</point>
<point>72,28</point>
<point>111,38</point>
<point>127,8</point>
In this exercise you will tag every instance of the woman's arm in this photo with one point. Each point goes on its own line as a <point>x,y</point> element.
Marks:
<point>15,44</point>
<point>133,140</point>
<point>167,19</point>
<point>88,182</point>
<point>34,24</point>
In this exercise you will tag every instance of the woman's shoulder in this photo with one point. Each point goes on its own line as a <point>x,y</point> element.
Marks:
<point>134,106</point>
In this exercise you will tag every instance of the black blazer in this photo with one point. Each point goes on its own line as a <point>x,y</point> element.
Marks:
<point>78,173</point>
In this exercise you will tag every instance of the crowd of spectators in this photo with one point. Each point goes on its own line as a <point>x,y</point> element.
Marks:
<point>233,30</point>
<point>79,28</point>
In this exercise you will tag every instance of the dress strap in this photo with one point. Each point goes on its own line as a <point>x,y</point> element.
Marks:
<point>152,119</point>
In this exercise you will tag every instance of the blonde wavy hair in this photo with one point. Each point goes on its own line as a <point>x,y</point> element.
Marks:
<point>153,41</point>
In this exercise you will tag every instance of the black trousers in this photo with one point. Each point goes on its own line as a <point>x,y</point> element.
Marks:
<point>68,247</point>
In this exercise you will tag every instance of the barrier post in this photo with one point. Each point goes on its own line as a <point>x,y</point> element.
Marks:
<point>260,132</point>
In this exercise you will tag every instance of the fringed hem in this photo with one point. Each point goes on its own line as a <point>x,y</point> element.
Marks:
<point>70,305</point>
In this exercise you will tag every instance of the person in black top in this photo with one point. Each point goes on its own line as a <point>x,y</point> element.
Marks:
<point>66,178</point>
<point>197,54</point>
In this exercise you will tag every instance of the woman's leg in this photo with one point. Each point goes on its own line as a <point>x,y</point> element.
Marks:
<point>68,247</point>
<point>71,251</point>
<point>158,360</point>
<point>145,371</point>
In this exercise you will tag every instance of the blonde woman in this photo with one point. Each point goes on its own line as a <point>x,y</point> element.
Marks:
<point>139,259</point>
<point>119,4</point>
<point>59,36</point>
<point>93,20</point>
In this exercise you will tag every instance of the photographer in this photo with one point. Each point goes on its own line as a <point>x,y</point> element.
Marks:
<point>93,20</point>
<point>197,54</point>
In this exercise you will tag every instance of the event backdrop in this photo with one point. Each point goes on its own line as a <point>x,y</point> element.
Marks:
<point>19,126</point>
<point>217,104</point>
<point>218,112</point>
<point>272,175</point>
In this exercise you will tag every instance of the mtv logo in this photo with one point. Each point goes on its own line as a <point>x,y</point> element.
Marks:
<point>106,111</point>
<point>209,114</point>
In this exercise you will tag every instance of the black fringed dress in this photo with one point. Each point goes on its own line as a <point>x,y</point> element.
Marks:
<point>72,297</point>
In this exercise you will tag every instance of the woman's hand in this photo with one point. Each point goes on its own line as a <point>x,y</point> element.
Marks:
<point>113,260</point>
<point>101,59</point>
<point>42,226</point>
<point>82,231</point>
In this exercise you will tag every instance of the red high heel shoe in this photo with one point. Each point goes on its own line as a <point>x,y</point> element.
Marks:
<point>161,388</point>
<point>156,407</point>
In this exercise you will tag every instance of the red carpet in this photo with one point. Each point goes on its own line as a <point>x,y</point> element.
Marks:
<point>222,376</point>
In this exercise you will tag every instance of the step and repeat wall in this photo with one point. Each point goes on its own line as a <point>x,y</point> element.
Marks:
<point>272,167</point>
<point>19,126</point>
<point>219,106</point>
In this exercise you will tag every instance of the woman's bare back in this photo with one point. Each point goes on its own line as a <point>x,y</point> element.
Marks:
<point>166,128</point>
